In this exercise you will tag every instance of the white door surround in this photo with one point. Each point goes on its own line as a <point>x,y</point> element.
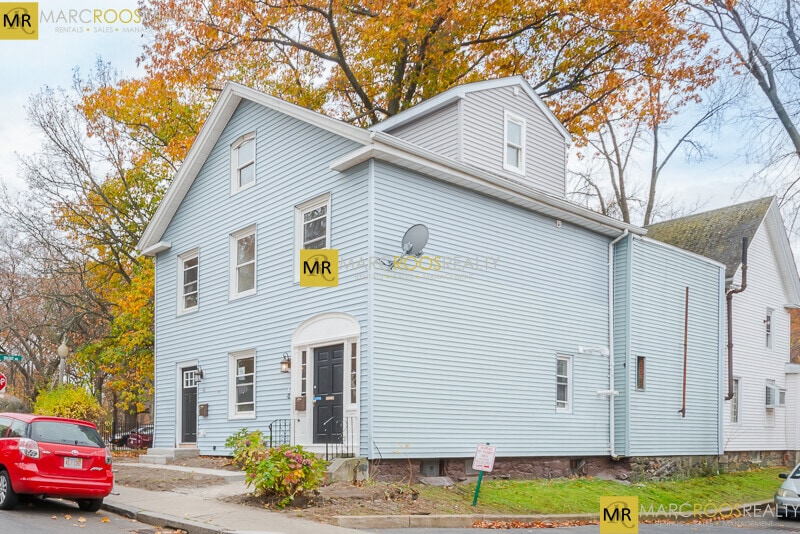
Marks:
<point>322,330</point>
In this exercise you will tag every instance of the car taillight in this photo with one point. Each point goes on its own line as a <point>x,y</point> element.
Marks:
<point>29,448</point>
<point>108,456</point>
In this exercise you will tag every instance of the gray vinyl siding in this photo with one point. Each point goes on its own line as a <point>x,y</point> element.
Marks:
<point>545,148</point>
<point>437,131</point>
<point>459,362</point>
<point>291,167</point>
<point>622,301</point>
<point>660,276</point>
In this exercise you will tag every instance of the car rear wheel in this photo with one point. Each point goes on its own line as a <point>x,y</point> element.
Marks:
<point>8,499</point>
<point>90,505</point>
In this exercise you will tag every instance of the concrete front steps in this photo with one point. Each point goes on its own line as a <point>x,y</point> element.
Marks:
<point>167,456</point>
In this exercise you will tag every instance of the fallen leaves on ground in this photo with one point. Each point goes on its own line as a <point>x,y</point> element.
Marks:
<point>531,524</point>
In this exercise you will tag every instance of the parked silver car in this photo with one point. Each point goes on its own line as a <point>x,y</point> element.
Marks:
<point>787,498</point>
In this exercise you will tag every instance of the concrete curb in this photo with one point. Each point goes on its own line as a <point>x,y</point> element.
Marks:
<point>467,520</point>
<point>161,520</point>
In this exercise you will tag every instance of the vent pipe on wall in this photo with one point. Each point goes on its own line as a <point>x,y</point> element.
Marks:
<point>729,310</point>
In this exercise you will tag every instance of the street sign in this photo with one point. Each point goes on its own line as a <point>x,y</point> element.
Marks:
<point>484,458</point>
<point>10,357</point>
<point>2,383</point>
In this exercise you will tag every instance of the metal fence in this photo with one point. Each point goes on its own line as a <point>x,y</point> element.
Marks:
<point>126,436</point>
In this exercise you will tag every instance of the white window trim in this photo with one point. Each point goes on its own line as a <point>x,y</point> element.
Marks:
<point>182,259</point>
<point>299,210</point>
<point>233,357</point>
<point>235,188</point>
<point>234,293</point>
<point>511,117</point>
<point>769,334</point>
<point>736,401</point>
<point>568,407</point>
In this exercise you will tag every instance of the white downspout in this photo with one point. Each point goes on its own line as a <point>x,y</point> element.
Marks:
<point>612,391</point>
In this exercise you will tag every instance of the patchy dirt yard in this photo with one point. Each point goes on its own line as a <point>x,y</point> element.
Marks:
<point>369,498</point>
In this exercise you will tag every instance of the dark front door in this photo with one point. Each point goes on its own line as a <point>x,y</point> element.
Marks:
<point>328,382</point>
<point>189,405</point>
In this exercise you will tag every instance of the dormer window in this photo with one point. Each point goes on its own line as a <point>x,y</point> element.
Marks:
<point>243,162</point>
<point>514,138</point>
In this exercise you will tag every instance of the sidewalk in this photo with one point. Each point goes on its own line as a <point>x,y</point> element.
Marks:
<point>197,511</point>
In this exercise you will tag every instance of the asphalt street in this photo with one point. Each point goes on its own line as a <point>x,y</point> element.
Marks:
<point>52,516</point>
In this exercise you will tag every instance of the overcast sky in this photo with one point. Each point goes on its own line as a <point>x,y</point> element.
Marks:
<point>63,46</point>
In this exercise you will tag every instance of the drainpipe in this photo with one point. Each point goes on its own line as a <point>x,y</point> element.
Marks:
<point>729,310</point>
<point>611,430</point>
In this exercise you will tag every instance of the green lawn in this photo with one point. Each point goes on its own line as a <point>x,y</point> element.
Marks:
<point>582,495</point>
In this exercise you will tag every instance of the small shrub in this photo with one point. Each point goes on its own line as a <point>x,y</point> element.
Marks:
<point>68,401</point>
<point>282,473</point>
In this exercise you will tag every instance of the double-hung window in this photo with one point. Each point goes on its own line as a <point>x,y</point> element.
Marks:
<point>242,384</point>
<point>243,162</point>
<point>243,262</point>
<point>188,290</point>
<point>768,328</point>
<point>514,143</point>
<point>312,225</point>
<point>563,384</point>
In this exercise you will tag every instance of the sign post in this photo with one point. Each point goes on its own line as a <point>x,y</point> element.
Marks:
<point>483,462</point>
<point>2,383</point>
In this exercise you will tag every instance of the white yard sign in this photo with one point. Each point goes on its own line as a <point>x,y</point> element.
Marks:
<point>484,458</point>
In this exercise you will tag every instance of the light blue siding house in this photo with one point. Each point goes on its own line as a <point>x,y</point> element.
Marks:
<point>526,321</point>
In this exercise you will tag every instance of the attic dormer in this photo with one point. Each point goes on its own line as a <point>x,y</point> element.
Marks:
<point>498,125</point>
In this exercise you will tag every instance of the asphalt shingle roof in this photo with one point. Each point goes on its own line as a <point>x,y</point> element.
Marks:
<point>715,234</point>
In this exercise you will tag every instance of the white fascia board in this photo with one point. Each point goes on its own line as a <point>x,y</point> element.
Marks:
<point>432,104</point>
<point>779,240</point>
<point>161,246</point>
<point>232,94</point>
<point>403,154</point>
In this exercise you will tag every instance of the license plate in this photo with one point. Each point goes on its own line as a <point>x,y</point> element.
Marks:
<point>73,463</point>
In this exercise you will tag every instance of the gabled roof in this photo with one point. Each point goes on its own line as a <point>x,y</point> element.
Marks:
<point>455,93</point>
<point>375,144</point>
<point>717,234</point>
<point>232,94</point>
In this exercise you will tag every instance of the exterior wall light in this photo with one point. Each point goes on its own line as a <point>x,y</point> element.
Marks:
<point>286,363</point>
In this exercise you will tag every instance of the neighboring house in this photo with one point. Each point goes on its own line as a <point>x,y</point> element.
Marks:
<point>498,332</point>
<point>763,413</point>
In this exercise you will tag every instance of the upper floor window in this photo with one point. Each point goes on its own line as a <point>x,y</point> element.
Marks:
<point>243,262</point>
<point>188,269</point>
<point>243,162</point>
<point>312,225</point>
<point>563,383</point>
<point>514,143</point>
<point>768,328</point>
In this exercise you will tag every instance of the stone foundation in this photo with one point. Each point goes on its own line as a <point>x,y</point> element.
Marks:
<point>460,469</point>
<point>636,469</point>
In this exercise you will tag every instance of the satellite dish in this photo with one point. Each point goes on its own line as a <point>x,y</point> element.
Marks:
<point>415,240</point>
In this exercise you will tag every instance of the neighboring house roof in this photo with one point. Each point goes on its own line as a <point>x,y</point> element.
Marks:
<point>377,145</point>
<point>455,93</point>
<point>718,234</point>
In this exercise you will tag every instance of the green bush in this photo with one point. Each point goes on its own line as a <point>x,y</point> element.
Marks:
<point>68,401</point>
<point>282,473</point>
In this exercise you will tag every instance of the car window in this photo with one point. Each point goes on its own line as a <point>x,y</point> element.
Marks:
<point>65,433</point>
<point>5,422</point>
<point>17,429</point>
<point>796,472</point>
